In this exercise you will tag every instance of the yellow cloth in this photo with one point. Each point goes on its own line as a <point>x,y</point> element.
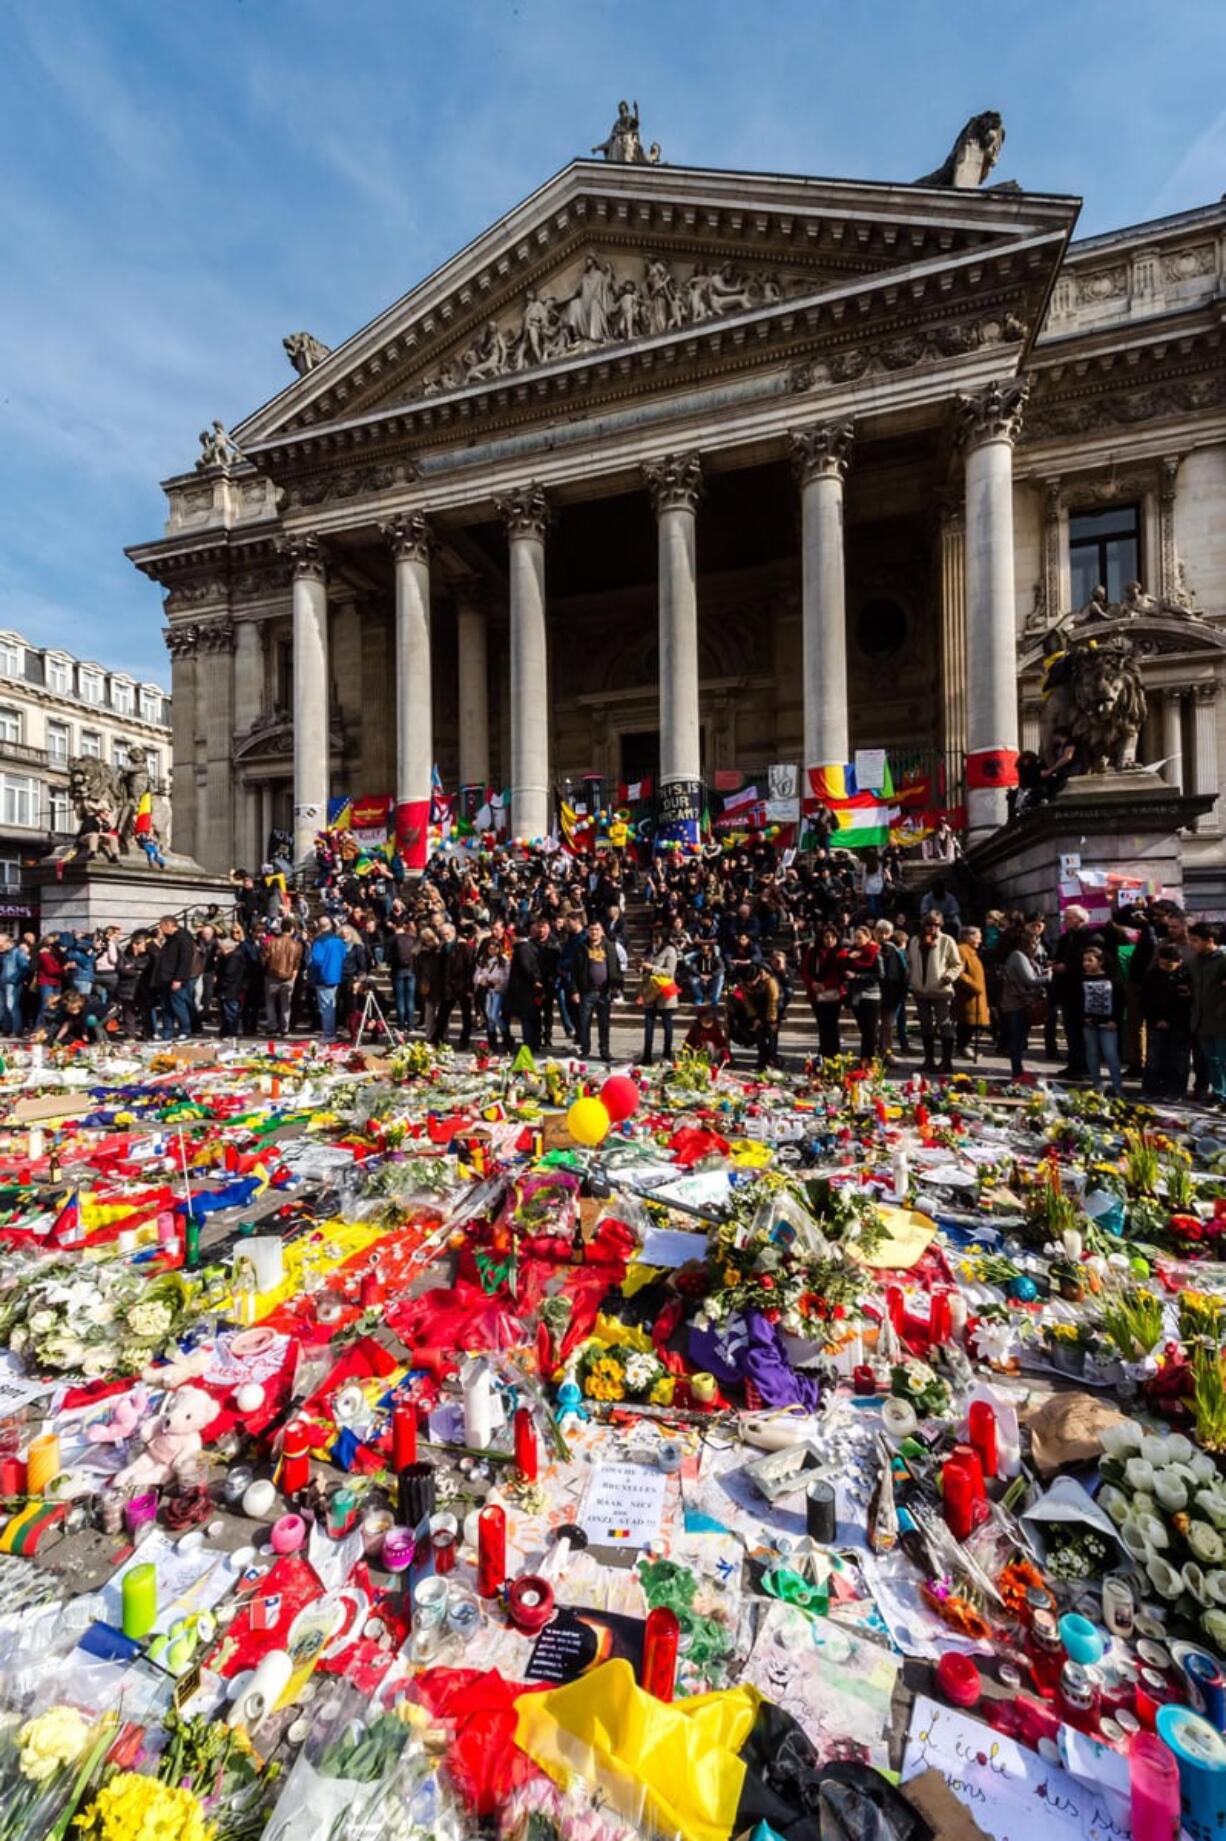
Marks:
<point>681,1757</point>
<point>346,1237</point>
<point>909,1234</point>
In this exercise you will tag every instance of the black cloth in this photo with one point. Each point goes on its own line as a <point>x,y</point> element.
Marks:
<point>581,981</point>
<point>525,981</point>
<point>174,961</point>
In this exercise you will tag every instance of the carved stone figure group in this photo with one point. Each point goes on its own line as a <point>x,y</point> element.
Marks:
<point>606,309</point>
<point>1094,697</point>
<point>114,794</point>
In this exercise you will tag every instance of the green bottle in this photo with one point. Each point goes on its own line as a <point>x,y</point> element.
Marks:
<point>191,1245</point>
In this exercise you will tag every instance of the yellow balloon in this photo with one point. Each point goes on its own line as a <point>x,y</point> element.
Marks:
<point>588,1121</point>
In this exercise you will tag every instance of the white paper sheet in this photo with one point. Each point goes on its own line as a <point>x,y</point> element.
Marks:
<point>624,1505</point>
<point>671,1247</point>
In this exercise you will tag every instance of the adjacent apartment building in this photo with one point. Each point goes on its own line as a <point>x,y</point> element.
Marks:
<point>54,707</point>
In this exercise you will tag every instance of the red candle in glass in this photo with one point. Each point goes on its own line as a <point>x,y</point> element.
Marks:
<point>660,1643</point>
<point>958,1497</point>
<point>982,1434</point>
<point>895,1305</point>
<point>491,1550</point>
<point>295,1461</point>
<point>404,1435</point>
<point>940,1319</point>
<point>527,1460</point>
<point>968,1457</point>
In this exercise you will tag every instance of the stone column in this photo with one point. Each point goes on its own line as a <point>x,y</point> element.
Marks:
<point>264,795</point>
<point>1172,737</point>
<point>525,512</point>
<point>820,456</point>
<point>1205,750</point>
<point>675,484</point>
<point>472,642</point>
<point>990,423</point>
<point>216,843</point>
<point>953,636</point>
<point>311,727</point>
<point>1032,719</point>
<point>181,644</point>
<point>409,536</point>
<point>248,674</point>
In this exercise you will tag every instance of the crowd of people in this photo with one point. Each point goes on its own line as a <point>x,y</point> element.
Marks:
<point>501,947</point>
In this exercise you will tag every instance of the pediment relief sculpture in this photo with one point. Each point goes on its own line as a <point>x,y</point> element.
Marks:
<point>611,304</point>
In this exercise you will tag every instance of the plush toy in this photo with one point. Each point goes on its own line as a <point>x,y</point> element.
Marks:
<point>178,1369</point>
<point>171,1439</point>
<point>122,1421</point>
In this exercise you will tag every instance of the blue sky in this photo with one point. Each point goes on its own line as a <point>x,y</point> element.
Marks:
<point>185,181</point>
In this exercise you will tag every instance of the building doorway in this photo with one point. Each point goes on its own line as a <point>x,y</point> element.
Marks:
<point>640,752</point>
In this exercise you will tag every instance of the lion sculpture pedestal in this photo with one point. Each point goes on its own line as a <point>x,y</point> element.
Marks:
<point>127,894</point>
<point>1128,821</point>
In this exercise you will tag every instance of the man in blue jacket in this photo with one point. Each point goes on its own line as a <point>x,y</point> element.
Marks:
<point>14,967</point>
<point>325,968</point>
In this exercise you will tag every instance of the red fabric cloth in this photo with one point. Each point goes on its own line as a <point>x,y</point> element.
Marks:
<point>483,1759</point>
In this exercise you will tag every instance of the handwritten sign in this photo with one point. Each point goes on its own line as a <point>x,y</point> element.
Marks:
<point>678,811</point>
<point>1012,1793</point>
<point>624,1505</point>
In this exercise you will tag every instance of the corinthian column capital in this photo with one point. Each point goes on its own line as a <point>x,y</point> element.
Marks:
<point>525,510</point>
<point>823,451</point>
<point>993,413</point>
<point>675,482</point>
<point>410,536</point>
<point>305,554</point>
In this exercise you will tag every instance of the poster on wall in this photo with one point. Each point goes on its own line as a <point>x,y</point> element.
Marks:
<point>679,812</point>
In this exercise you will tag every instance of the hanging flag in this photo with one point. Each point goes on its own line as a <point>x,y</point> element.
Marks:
<point>630,792</point>
<point>143,826</point>
<point>989,768</point>
<point>862,827</point>
<point>832,783</point>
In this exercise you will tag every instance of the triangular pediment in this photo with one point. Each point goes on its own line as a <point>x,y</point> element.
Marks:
<point>604,260</point>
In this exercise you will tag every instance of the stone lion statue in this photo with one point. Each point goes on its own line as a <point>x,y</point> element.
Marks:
<point>1095,698</point>
<point>973,154</point>
<point>97,788</point>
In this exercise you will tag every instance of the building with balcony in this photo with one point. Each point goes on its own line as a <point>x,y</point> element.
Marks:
<point>54,708</point>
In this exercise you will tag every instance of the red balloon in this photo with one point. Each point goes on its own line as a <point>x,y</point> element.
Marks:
<point>620,1097</point>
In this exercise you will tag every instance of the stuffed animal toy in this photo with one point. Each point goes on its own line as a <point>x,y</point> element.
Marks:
<point>171,1438</point>
<point>122,1421</point>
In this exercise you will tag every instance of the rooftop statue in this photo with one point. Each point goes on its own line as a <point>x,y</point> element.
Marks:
<point>973,154</point>
<point>216,448</point>
<point>623,145</point>
<point>304,351</point>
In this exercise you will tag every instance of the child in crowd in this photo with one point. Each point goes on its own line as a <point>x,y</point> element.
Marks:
<point>1166,1001</point>
<point>706,1037</point>
<point>1102,996</point>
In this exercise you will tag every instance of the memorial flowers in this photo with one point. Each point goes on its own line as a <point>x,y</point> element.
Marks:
<point>135,1808</point>
<point>95,1321</point>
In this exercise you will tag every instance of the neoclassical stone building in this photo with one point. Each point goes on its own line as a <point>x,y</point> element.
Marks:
<point>673,470</point>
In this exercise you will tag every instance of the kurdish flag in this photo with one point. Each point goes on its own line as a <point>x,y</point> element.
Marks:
<point>861,827</point>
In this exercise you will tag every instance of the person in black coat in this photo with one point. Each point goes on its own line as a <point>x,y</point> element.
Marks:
<point>229,982</point>
<point>525,993</point>
<point>595,974</point>
<point>1166,998</point>
<point>169,976</point>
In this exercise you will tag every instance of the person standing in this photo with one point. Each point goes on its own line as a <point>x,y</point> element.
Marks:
<point>934,966</point>
<point>1166,1002</point>
<point>14,969</point>
<point>893,964</point>
<point>1102,994</point>
<point>1208,976</point>
<point>1022,981</point>
<point>525,992</point>
<point>1066,986</point>
<point>971,1011</point>
<point>132,990</point>
<point>862,968</point>
<point>402,955</point>
<point>325,970</point>
<point>229,978</point>
<point>169,977</point>
<point>658,995</point>
<point>821,972</point>
<point>490,976</point>
<point>760,998</point>
<point>595,975</point>
<point>282,956</point>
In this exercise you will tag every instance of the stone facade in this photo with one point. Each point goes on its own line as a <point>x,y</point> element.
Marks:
<point>673,470</point>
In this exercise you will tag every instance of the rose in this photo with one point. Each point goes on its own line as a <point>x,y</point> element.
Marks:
<point>150,1321</point>
<point>41,1321</point>
<point>50,1741</point>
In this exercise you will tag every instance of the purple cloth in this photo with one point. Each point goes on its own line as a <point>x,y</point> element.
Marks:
<point>748,1348</point>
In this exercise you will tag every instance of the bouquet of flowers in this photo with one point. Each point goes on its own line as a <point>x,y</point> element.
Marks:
<point>95,1320</point>
<point>772,1255</point>
<point>629,1370</point>
<point>131,1807</point>
<point>917,1383</point>
<point>45,1763</point>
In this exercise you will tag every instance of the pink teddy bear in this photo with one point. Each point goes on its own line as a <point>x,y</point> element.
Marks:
<point>171,1439</point>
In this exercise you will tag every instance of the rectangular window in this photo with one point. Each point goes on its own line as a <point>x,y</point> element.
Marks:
<point>63,819</point>
<point>91,687</point>
<point>10,872</point>
<point>19,800</point>
<point>1104,551</point>
<point>91,744</point>
<point>10,725</point>
<point>119,752</point>
<point>121,698</point>
<point>59,676</point>
<point>150,706</point>
<point>12,659</point>
<point>59,741</point>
